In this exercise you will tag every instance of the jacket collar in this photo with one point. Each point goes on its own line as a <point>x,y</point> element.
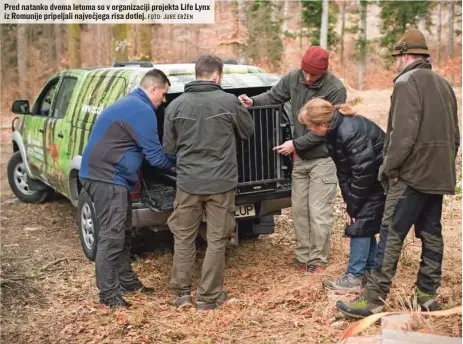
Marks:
<point>202,86</point>
<point>335,123</point>
<point>143,96</point>
<point>414,65</point>
<point>318,84</point>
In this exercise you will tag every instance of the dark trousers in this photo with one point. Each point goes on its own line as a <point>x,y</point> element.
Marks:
<point>113,209</point>
<point>405,207</point>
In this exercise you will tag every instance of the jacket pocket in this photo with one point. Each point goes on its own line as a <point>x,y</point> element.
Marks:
<point>420,168</point>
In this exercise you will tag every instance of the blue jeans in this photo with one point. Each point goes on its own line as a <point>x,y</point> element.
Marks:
<point>362,255</point>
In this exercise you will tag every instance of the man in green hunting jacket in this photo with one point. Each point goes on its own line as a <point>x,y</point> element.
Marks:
<point>314,173</point>
<point>423,138</point>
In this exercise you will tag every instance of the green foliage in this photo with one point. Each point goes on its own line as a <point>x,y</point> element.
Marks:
<point>398,16</point>
<point>312,21</point>
<point>264,32</point>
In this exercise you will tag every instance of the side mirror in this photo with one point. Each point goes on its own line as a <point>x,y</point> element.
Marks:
<point>20,107</point>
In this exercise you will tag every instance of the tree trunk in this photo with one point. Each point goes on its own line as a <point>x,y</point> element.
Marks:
<point>22,60</point>
<point>50,51</point>
<point>119,43</point>
<point>74,46</point>
<point>451,29</point>
<point>439,32</point>
<point>157,36</point>
<point>343,27</point>
<point>145,42</point>
<point>100,37</point>
<point>133,49</point>
<point>324,26</point>
<point>362,44</point>
<point>241,31</point>
<point>58,35</point>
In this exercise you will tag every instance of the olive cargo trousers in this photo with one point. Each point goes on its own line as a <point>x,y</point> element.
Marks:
<point>184,224</point>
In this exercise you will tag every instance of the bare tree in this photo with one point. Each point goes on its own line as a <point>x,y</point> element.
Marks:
<point>50,51</point>
<point>101,37</point>
<point>343,28</point>
<point>120,43</point>
<point>75,59</point>
<point>144,51</point>
<point>362,43</point>
<point>451,29</point>
<point>324,26</point>
<point>57,34</point>
<point>439,32</point>
<point>22,60</point>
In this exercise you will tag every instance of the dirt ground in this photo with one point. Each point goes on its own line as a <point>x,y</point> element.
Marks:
<point>48,291</point>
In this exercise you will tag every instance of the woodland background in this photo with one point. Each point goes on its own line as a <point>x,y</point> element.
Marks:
<point>271,34</point>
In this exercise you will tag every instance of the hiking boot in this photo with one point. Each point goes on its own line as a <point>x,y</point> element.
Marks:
<point>366,274</point>
<point>302,267</point>
<point>206,306</point>
<point>183,301</point>
<point>315,269</point>
<point>115,302</point>
<point>136,288</point>
<point>359,308</point>
<point>345,282</point>
<point>427,302</point>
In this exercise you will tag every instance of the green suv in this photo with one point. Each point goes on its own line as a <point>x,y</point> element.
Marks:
<point>49,138</point>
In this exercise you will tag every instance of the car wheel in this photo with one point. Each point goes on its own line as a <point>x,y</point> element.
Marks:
<point>18,180</point>
<point>87,225</point>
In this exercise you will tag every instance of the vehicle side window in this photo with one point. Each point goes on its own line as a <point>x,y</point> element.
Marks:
<point>63,97</point>
<point>43,104</point>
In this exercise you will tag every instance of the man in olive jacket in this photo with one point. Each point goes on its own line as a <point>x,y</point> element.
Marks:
<point>314,173</point>
<point>422,141</point>
<point>200,128</point>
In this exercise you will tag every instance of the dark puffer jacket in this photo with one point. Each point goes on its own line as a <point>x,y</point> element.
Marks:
<point>356,145</point>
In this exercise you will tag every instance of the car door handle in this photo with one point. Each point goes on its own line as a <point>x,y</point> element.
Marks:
<point>60,135</point>
<point>41,131</point>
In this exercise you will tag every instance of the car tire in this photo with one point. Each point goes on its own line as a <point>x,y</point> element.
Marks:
<point>87,225</point>
<point>17,178</point>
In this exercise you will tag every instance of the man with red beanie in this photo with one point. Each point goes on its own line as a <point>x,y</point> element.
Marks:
<point>314,173</point>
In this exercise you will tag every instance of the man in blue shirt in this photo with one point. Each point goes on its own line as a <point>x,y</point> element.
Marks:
<point>124,134</point>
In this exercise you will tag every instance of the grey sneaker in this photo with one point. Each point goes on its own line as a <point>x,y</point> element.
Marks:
<point>345,282</point>
<point>206,306</point>
<point>183,301</point>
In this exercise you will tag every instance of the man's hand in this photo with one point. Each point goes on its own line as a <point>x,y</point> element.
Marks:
<point>286,148</point>
<point>245,100</point>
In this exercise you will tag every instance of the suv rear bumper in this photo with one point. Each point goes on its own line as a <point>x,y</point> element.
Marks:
<point>270,204</point>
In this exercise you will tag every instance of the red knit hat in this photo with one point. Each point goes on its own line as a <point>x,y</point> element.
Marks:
<point>315,61</point>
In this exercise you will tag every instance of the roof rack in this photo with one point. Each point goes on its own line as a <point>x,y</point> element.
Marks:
<point>145,64</point>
